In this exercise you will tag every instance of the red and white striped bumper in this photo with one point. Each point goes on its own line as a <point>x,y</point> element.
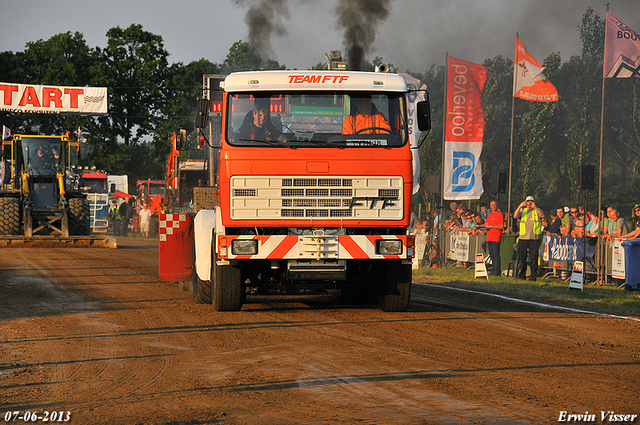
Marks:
<point>295,247</point>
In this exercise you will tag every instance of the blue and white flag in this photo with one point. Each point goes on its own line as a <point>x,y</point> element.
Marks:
<point>464,130</point>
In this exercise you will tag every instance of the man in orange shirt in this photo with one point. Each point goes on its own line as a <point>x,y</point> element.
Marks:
<point>367,119</point>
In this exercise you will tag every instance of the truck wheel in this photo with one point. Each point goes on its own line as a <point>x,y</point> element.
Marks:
<point>395,288</point>
<point>9,216</point>
<point>227,288</point>
<point>79,217</point>
<point>201,288</point>
<point>153,226</point>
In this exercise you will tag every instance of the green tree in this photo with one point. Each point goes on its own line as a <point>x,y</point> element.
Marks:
<point>542,144</point>
<point>12,71</point>
<point>582,80</point>
<point>241,57</point>
<point>62,60</point>
<point>496,100</point>
<point>183,87</point>
<point>134,68</point>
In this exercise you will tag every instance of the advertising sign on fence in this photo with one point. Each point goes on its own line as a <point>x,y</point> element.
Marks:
<point>459,246</point>
<point>565,249</point>
<point>577,276</point>
<point>617,261</point>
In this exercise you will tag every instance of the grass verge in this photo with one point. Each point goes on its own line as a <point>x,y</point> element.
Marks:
<point>607,299</point>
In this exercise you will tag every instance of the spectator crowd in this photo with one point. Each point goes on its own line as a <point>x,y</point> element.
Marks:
<point>531,224</point>
<point>563,221</point>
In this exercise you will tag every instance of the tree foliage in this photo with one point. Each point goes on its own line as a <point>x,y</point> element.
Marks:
<point>551,140</point>
<point>150,98</point>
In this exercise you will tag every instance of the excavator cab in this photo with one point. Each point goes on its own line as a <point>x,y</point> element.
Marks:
<point>38,199</point>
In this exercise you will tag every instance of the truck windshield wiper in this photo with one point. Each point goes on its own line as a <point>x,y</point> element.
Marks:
<point>326,143</point>
<point>268,142</point>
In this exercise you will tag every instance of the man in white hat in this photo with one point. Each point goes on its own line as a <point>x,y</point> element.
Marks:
<point>530,218</point>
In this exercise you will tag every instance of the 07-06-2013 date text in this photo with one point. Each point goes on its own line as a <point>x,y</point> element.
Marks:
<point>46,416</point>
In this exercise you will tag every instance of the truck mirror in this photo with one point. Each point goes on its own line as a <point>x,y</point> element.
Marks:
<point>112,188</point>
<point>181,139</point>
<point>424,115</point>
<point>202,113</point>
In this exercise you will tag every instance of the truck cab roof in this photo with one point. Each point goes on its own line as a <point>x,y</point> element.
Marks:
<point>314,80</point>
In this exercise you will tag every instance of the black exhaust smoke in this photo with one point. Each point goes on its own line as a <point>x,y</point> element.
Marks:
<point>359,19</point>
<point>264,19</point>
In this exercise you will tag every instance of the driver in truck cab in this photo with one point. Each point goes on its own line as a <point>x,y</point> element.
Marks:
<point>258,126</point>
<point>366,119</point>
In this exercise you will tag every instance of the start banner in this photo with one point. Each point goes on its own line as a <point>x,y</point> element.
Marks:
<point>31,98</point>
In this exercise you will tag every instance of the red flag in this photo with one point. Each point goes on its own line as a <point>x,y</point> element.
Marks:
<point>621,50</point>
<point>529,83</point>
<point>465,115</point>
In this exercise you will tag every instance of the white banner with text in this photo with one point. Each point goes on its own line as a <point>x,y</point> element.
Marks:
<point>31,98</point>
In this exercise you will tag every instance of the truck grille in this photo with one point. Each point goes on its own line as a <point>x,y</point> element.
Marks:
<point>358,198</point>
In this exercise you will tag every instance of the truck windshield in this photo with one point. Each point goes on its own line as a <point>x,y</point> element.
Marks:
<point>41,155</point>
<point>156,190</point>
<point>317,119</point>
<point>95,185</point>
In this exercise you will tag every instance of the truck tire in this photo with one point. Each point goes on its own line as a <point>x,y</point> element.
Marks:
<point>395,288</point>
<point>10,216</point>
<point>201,289</point>
<point>226,287</point>
<point>153,226</point>
<point>79,217</point>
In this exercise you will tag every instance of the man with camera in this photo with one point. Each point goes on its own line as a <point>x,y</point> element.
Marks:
<point>530,235</point>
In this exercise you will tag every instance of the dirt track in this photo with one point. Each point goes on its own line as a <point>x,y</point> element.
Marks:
<point>95,333</point>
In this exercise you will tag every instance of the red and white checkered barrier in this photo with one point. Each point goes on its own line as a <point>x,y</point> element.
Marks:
<point>170,223</point>
<point>175,253</point>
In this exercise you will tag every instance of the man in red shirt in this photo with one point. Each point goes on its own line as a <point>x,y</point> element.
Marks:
<point>495,224</point>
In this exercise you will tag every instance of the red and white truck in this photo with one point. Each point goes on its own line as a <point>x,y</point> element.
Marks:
<point>309,204</point>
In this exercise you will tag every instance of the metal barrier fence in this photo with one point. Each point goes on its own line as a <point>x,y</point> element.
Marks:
<point>557,253</point>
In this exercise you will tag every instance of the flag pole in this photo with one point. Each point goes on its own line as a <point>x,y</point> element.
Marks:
<point>513,102</point>
<point>602,116</point>
<point>444,128</point>
<point>600,217</point>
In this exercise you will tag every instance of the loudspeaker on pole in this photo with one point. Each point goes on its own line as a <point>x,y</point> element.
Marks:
<point>498,182</point>
<point>586,177</point>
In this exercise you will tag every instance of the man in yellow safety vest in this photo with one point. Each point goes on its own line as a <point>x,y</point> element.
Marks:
<point>530,218</point>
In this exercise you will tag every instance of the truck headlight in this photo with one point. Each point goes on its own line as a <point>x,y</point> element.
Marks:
<point>388,247</point>
<point>244,247</point>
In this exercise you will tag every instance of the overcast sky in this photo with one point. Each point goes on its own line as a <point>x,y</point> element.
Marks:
<point>415,34</point>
